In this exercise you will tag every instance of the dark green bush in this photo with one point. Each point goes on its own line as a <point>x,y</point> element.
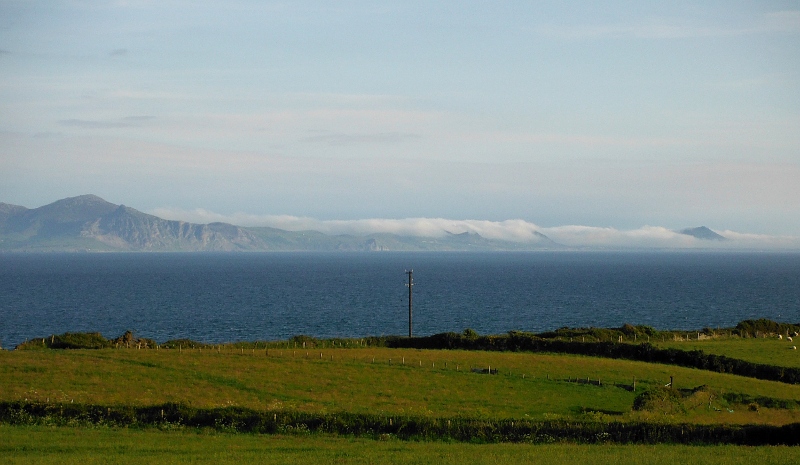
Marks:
<point>68,341</point>
<point>658,399</point>
<point>86,341</point>
<point>749,328</point>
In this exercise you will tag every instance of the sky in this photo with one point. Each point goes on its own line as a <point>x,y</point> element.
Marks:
<point>607,122</point>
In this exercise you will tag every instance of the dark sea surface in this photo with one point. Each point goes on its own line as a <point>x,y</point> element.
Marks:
<point>233,297</point>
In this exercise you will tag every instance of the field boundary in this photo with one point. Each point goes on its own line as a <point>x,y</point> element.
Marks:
<point>243,420</point>
<point>640,352</point>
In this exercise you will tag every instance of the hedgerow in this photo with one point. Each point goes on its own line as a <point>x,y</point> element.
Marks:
<point>242,420</point>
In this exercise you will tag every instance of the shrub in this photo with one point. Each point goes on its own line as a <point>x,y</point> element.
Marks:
<point>659,399</point>
<point>86,341</point>
<point>749,328</point>
<point>68,341</point>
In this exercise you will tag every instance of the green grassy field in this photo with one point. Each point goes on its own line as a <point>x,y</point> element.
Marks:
<point>400,381</point>
<point>403,382</point>
<point>65,446</point>
<point>770,351</point>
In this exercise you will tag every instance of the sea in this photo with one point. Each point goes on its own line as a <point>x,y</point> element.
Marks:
<point>228,297</point>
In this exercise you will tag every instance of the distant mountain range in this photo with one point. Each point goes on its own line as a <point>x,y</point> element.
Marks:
<point>89,223</point>
<point>703,233</point>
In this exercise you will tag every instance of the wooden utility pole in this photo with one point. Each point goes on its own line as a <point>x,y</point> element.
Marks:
<point>410,286</point>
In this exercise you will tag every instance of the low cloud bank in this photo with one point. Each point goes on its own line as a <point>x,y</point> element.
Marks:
<point>508,230</point>
<point>660,237</point>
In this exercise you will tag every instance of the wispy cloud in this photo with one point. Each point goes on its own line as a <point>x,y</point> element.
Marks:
<point>138,118</point>
<point>339,139</point>
<point>91,124</point>
<point>782,21</point>
<point>649,30</point>
<point>118,52</point>
<point>661,237</point>
<point>664,28</point>
<point>746,240</point>
<point>510,230</point>
<point>646,236</point>
<point>126,122</point>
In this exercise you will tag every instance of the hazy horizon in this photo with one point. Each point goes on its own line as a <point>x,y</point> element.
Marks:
<point>594,122</point>
<point>515,230</point>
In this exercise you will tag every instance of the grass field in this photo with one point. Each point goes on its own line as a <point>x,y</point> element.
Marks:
<point>415,382</point>
<point>770,351</point>
<point>65,446</point>
<point>383,381</point>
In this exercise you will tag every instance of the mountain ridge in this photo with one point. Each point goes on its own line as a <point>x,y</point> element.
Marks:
<point>88,223</point>
<point>703,233</point>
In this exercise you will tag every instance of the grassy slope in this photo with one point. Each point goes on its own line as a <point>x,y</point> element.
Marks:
<point>770,351</point>
<point>352,382</point>
<point>64,446</point>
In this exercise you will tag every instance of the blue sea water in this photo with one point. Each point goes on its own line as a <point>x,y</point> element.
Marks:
<point>268,296</point>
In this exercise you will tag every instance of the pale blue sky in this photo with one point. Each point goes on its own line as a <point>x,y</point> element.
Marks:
<point>604,114</point>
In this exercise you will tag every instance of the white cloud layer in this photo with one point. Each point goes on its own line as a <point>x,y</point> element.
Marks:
<point>509,230</point>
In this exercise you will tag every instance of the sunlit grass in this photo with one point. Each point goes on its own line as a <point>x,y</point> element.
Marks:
<point>416,382</point>
<point>65,446</point>
<point>769,351</point>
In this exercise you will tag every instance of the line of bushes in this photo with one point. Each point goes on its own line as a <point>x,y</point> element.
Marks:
<point>241,420</point>
<point>93,340</point>
<point>761,401</point>
<point>645,352</point>
<point>87,341</point>
<point>747,328</point>
<point>763,326</point>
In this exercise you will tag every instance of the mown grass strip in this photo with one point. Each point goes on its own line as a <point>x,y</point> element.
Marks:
<point>81,446</point>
